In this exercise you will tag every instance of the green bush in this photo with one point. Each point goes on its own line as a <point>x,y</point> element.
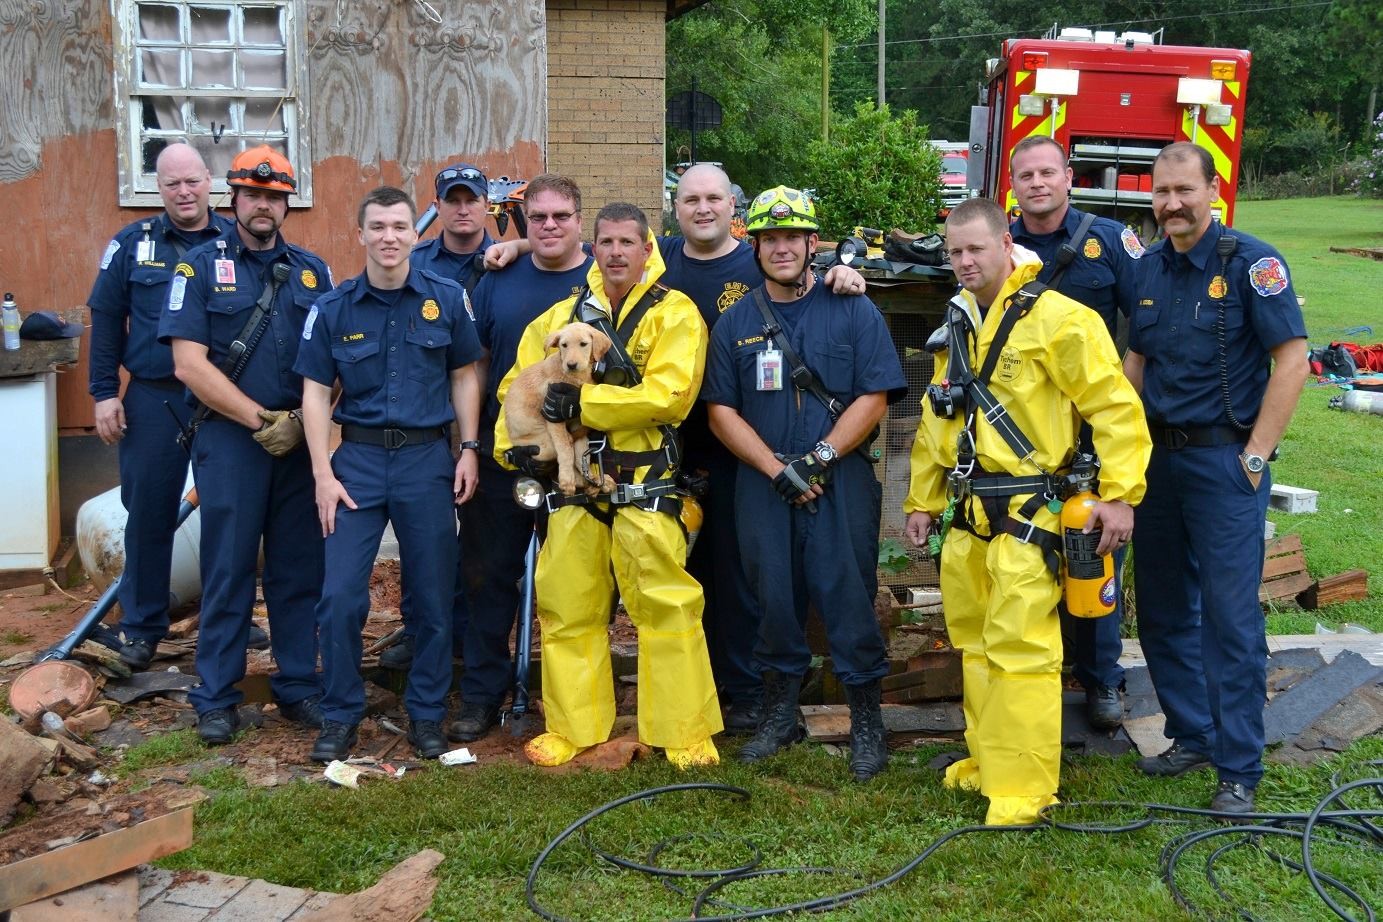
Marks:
<point>1371,178</point>
<point>877,171</point>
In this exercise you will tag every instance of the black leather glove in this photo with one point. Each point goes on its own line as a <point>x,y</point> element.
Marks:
<point>524,459</point>
<point>563,402</point>
<point>798,477</point>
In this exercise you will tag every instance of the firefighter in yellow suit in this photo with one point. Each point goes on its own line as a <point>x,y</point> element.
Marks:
<point>642,538</point>
<point>999,588</point>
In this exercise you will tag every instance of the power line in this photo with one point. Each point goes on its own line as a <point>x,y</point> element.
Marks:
<point>1122,22</point>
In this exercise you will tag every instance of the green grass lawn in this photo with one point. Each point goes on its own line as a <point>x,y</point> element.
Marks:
<point>1338,454</point>
<point>491,822</point>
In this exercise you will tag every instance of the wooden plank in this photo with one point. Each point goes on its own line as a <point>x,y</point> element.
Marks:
<point>115,899</point>
<point>1284,545</point>
<point>73,865</point>
<point>831,722</point>
<point>1342,587</point>
<point>1285,588</point>
<point>1285,565</point>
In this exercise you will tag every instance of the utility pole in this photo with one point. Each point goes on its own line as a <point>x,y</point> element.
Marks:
<point>883,11</point>
<point>825,83</point>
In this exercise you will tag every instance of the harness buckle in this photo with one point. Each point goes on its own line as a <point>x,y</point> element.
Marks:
<point>628,493</point>
<point>1027,536</point>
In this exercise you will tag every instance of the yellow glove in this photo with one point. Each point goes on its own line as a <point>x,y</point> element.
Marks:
<point>281,433</point>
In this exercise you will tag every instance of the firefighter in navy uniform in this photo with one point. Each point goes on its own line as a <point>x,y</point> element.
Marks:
<point>807,501</point>
<point>254,478</point>
<point>456,253</point>
<point>1217,349</point>
<point>126,304</point>
<point>1093,262</point>
<point>495,531</point>
<point>403,349</point>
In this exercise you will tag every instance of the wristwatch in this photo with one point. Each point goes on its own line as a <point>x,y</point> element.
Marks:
<point>1254,464</point>
<point>472,444</point>
<point>826,452</point>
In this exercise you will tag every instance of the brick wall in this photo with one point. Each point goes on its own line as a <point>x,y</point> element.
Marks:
<point>606,67</point>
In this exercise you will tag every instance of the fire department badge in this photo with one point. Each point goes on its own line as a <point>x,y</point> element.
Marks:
<point>1268,276</point>
<point>1218,287</point>
<point>309,278</point>
<point>184,270</point>
<point>732,293</point>
<point>1132,245</point>
<point>1092,248</point>
<point>430,310</point>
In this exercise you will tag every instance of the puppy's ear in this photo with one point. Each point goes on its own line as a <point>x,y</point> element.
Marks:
<point>600,344</point>
<point>552,340</point>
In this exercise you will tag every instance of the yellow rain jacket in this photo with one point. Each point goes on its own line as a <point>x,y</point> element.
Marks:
<point>999,597</point>
<point>678,707</point>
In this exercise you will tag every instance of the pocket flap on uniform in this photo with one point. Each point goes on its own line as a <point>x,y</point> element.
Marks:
<point>428,339</point>
<point>354,352</point>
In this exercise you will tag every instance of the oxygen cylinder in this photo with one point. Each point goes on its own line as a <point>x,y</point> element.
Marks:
<point>1088,584</point>
<point>692,517</point>
<point>1359,402</point>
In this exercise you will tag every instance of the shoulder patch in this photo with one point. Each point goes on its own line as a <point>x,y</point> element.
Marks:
<point>1092,248</point>
<point>184,269</point>
<point>466,303</point>
<point>1268,276</point>
<point>1132,245</point>
<point>176,292</point>
<point>311,319</point>
<point>111,249</point>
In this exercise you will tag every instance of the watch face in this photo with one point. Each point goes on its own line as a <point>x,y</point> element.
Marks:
<point>1254,463</point>
<point>825,452</point>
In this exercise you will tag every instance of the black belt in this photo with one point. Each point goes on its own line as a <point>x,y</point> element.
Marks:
<point>167,383</point>
<point>391,438</point>
<point>1196,436</point>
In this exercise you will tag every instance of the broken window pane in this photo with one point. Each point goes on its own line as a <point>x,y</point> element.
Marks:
<point>210,115</point>
<point>212,68</point>
<point>151,148</point>
<point>210,25</point>
<point>261,25</point>
<point>158,23</point>
<point>217,156</point>
<point>160,67</point>
<point>160,113</point>
<point>264,70</point>
<point>263,115</point>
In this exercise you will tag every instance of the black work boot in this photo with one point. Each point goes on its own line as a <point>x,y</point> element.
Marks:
<point>474,721</point>
<point>780,724</point>
<point>742,716</point>
<point>398,657</point>
<point>868,741</point>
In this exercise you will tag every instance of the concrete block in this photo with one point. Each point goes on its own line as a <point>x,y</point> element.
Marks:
<point>1293,499</point>
<point>1295,709</point>
<point>918,598</point>
<point>207,890</point>
<point>262,901</point>
<point>1269,529</point>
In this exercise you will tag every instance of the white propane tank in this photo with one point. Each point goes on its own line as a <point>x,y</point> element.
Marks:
<point>1359,402</point>
<point>101,545</point>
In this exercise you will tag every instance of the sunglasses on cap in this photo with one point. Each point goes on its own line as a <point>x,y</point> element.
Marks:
<point>468,173</point>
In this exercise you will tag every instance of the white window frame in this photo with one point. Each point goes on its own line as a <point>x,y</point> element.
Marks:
<point>138,188</point>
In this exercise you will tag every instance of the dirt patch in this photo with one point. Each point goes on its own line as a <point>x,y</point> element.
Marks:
<point>33,620</point>
<point>83,818</point>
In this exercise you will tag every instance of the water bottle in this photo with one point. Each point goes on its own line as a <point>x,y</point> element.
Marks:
<point>10,311</point>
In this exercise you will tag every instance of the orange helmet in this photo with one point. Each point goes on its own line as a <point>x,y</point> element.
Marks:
<point>262,167</point>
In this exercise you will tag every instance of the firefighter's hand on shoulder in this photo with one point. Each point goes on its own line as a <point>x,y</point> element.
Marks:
<point>562,402</point>
<point>1115,520</point>
<point>281,433</point>
<point>801,480</point>
<point>524,458</point>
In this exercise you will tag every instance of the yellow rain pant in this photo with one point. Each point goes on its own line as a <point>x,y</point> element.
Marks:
<point>1000,602</point>
<point>678,708</point>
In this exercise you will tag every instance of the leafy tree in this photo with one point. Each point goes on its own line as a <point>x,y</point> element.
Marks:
<point>878,171</point>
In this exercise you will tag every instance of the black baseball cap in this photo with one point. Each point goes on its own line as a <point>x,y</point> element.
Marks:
<point>462,174</point>
<point>48,325</point>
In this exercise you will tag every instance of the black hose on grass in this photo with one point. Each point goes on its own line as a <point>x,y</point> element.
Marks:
<point>1356,826</point>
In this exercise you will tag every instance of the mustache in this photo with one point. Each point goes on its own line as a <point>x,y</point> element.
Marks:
<point>1179,213</point>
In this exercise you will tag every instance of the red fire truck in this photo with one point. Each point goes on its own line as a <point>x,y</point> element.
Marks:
<point>1113,102</point>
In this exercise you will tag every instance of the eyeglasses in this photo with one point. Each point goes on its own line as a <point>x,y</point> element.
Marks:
<point>557,217</point>
<point>468,173</point>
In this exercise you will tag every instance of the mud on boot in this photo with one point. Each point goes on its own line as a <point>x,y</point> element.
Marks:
<point>868,740</point>
<point>780,724</point>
